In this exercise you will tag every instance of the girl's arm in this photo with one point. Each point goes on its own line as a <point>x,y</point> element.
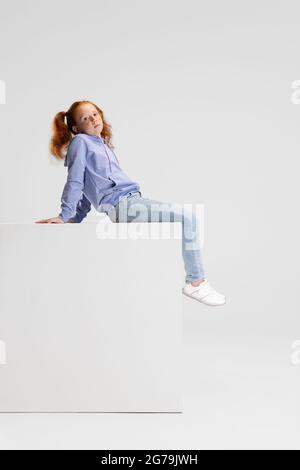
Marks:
<point>72,192</point>
<point>83,207</point>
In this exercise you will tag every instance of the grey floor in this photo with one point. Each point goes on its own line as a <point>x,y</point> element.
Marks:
<point>241,392</point>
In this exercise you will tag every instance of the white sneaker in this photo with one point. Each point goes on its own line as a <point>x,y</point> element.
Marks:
<point>204,293</point>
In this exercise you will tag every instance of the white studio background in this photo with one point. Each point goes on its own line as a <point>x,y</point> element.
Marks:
<point>199,96</point>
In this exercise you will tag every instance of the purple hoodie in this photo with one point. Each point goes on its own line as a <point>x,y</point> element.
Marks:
<point>94,177</point>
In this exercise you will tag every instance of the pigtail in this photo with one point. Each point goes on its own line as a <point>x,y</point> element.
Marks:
<point>61,135</point>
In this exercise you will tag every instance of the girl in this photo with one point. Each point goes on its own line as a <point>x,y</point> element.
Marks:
<point>82,138</point>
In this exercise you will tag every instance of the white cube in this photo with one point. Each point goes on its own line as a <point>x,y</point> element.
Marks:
<point>90,324</point>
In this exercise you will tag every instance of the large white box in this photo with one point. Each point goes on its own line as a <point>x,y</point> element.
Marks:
<point>90,324</point>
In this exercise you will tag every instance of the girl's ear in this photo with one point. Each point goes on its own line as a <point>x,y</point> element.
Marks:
<point>74,129</point>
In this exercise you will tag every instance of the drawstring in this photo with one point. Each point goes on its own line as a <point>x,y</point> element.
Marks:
<point>107,156</point>
<point>107,153</point>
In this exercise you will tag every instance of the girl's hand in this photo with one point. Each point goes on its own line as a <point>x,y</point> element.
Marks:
<point>52,220</point>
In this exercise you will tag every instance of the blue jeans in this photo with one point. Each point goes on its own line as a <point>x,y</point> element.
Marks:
<point>192,258</point>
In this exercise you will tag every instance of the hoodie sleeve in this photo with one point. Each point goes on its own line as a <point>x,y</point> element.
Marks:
<point>83,207</point>
<point>76,163</point>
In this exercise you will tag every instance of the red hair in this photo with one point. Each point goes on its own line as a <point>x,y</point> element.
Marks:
<point>62,132</point>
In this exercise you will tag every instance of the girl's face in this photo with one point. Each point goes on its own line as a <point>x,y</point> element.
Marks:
<point>88,120</point>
